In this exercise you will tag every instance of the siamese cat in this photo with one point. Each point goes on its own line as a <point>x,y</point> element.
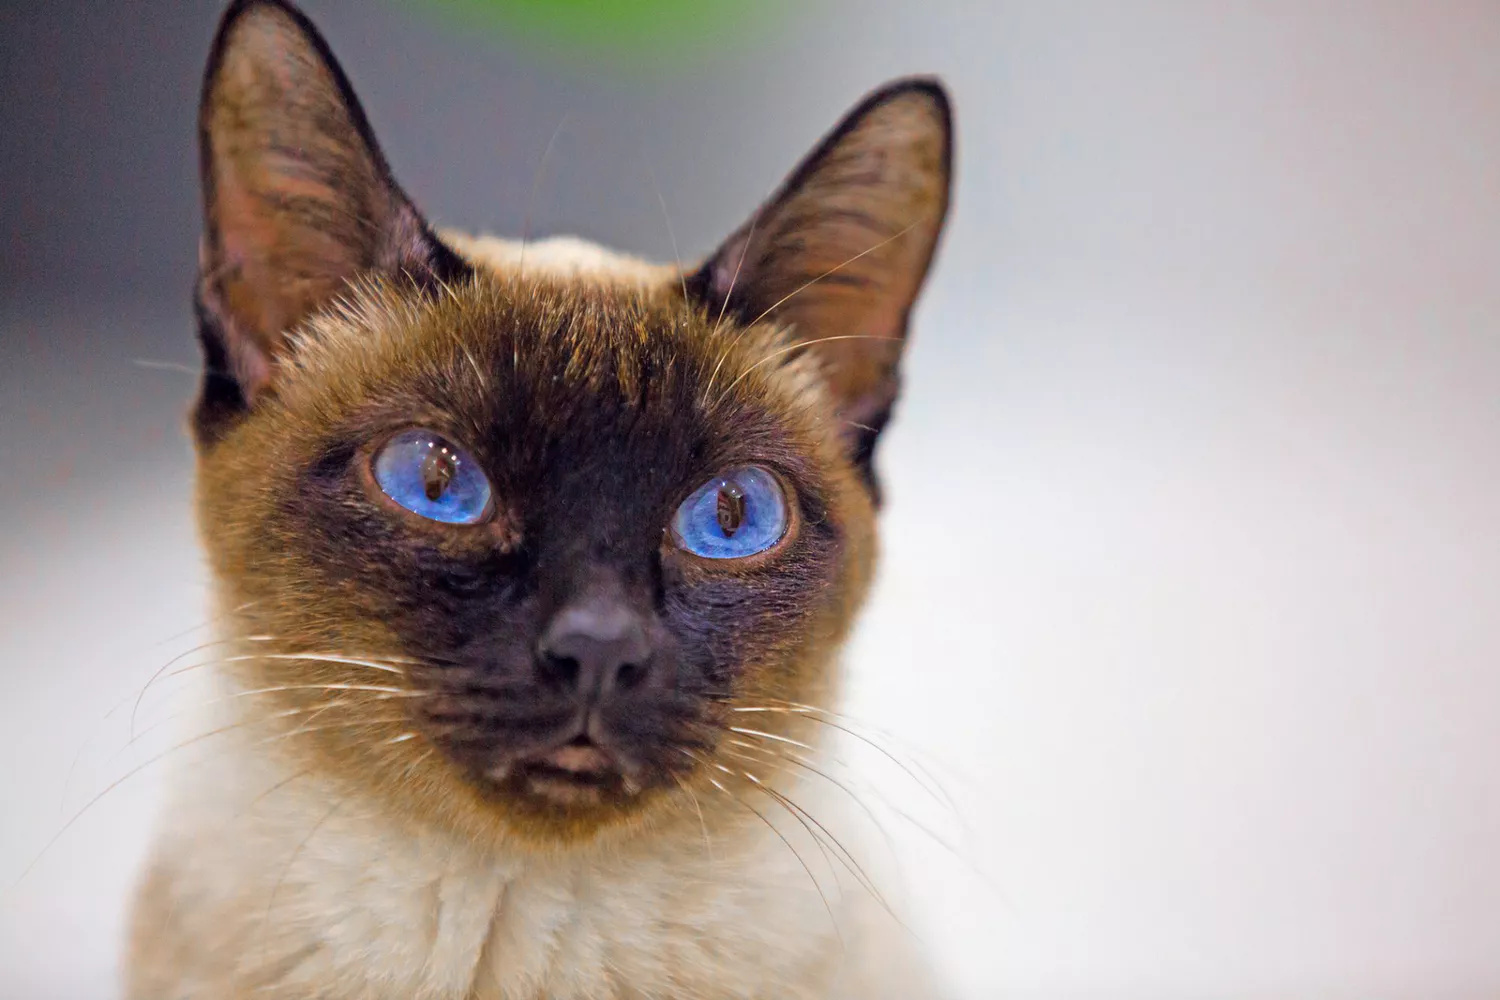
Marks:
<point>532,565</point>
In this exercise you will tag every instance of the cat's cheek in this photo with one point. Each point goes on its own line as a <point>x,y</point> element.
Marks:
<point>740,624</point>
<point>725,586</point>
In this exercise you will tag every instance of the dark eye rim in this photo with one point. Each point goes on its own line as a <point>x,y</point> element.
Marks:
<point>371,452</point>
<point>755,560</point>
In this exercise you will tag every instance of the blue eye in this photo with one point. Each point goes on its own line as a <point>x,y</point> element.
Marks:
<point>431,476</point>
<point>732,516</point>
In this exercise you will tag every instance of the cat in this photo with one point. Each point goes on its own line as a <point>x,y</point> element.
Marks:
<point>532,564</point>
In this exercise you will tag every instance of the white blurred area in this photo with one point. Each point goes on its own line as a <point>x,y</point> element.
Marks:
<point>1192,558</point>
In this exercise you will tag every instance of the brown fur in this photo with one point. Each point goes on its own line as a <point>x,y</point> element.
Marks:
<point>356,855</point>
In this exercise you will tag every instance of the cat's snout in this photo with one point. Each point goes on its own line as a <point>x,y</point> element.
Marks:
<point>595,649</point>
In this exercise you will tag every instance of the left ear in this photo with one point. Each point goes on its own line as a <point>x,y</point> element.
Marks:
<point>840,252</point>
<point>298,201</point>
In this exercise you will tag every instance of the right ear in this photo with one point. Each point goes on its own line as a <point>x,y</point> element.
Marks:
<point>297,201</point>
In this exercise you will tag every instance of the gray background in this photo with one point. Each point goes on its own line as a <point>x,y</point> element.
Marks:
<point>1192,552</point>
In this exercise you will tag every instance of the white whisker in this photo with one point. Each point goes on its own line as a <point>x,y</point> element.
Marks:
<point>771,736</point>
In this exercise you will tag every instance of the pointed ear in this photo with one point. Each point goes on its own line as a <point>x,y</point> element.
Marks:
<point>297,200</point>
<point>840,252</point>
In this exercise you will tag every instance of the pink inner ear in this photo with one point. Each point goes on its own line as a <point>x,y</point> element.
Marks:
<point>280,251</point>
<point>247,289</point>
<point>727,268</point>
<point>243,238</point>
<point>840,253</point>
<point>251,367</point>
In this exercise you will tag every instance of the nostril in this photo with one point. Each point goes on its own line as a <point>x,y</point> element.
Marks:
<point>630,675</point>
<point>563,671</point>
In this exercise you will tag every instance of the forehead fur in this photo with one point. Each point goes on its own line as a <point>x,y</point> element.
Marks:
<point>587,339</point>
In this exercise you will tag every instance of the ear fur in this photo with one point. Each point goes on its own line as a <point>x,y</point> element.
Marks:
<point>840,252</point>
<point>297,200</point>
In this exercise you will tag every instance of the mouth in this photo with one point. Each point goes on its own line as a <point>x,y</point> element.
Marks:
<point>577,773</point>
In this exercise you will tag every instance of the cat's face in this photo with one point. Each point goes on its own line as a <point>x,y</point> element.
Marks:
<point>521,548</point>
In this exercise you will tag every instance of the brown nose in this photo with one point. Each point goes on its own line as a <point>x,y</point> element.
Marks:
<point>595,649</point>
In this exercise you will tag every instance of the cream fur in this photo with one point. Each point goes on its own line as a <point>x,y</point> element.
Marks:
<point>296,886</point>
<point>561,257</point>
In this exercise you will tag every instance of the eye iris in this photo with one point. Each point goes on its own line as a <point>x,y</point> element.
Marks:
<point>730,508</point>
<point>423,472</point>
<point>735,515</point>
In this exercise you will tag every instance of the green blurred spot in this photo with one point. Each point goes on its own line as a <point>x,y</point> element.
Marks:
<point>633,30</point>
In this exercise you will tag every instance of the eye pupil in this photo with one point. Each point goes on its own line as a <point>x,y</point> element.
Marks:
<point>730,508</point>
<point>438,469</point>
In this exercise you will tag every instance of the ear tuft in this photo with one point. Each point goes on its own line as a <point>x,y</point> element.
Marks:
<point>298,199</point>
<point>840,252</point>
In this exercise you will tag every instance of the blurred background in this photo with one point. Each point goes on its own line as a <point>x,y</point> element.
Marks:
<point>1192,559</point>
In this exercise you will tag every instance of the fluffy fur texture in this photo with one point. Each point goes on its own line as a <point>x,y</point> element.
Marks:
<point>347,838</point>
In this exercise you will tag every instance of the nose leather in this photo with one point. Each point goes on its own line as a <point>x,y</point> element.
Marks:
<point>595,648</point>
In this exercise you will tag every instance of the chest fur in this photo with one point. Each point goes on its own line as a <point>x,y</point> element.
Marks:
<point>276,885</point>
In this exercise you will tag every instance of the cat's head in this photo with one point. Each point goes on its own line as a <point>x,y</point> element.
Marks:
<point>532,538</point>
